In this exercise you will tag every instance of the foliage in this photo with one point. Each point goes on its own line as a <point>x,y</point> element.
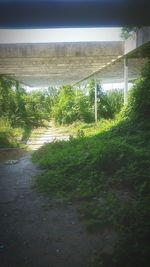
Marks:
<point>107,171</point>
<point>50,94</point>
<point>126,32</point>
<point>71,106</point>
<point>21,109</point>
<point>114,100</point>
<point>138,107</point>
<point>91,91</point>
<point>108,103</point>
<point>7,98</point>
<point>21,116</point>
<point>8,135</point>
<point>62,111</point>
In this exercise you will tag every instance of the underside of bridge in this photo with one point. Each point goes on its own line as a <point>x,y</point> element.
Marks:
<point>55,64</point>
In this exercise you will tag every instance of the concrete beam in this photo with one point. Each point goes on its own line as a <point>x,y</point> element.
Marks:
<point>50,64</point>
<point>115,72</point>
<point>137,48</point>
<point>55,63</point>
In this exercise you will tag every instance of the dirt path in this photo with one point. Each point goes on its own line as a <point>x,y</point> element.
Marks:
<point>37,232</point>
<point>49,136</point>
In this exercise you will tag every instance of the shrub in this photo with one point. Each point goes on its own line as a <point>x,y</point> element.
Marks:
<point>108,103</point>
<point>8,135</point>
<point>138,107</point>
<point>71,107</point>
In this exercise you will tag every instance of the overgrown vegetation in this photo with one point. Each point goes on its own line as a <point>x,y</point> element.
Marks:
<point>107,171</point>
<point>73,105</point>
<point>109,103</point>
<point>126,32</point>
<point>8,135</point>
<point>21,111</point>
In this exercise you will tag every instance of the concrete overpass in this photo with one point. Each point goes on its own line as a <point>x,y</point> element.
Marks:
<point>56,63</point>
<point>51,64</point>
<point>136,54</point>
<point>129,65</point>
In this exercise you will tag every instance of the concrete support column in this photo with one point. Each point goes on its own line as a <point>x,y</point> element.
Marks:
<point>95,101</point>
<point>125,79</point>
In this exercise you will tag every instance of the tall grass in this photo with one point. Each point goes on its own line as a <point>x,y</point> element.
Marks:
<point>9,136</point>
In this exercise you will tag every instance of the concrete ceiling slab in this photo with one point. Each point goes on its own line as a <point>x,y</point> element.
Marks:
<point>136,49</point>
<point>115,72</point>
<point>54,64</point>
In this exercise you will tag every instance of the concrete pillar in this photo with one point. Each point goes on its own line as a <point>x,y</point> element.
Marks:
<point>125,79</point>
<point>95,101</point>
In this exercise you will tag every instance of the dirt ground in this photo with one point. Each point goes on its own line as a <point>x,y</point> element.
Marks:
<point>9,154</point>
<point>36,231</point>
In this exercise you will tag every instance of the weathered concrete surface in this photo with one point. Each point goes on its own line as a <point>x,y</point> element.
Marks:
<point>115,72</point>
<point>137,49</point>
<point>56,63</point>
<point>52,64</point>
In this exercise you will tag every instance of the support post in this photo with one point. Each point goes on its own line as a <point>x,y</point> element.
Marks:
<point>95,101</point>
<point>125,79</point>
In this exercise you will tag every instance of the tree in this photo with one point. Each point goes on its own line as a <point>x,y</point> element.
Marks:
<point>7,97</point>
<point>91,92</point>
<point>21,113</point>
<point>71,106</point>
<point>126,32</point>
<point>108,103</point>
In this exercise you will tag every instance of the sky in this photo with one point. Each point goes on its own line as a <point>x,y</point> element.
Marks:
<point>59,35</point>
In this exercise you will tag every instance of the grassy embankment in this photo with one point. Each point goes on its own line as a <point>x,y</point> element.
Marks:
<point>106,168</point>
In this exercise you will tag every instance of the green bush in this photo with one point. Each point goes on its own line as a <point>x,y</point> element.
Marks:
<point>71,107</point>
<point>8,135</point>
<point>109,103</point>
<point>138,107</point>
<point>21,109</point>
<point>126,32</point>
